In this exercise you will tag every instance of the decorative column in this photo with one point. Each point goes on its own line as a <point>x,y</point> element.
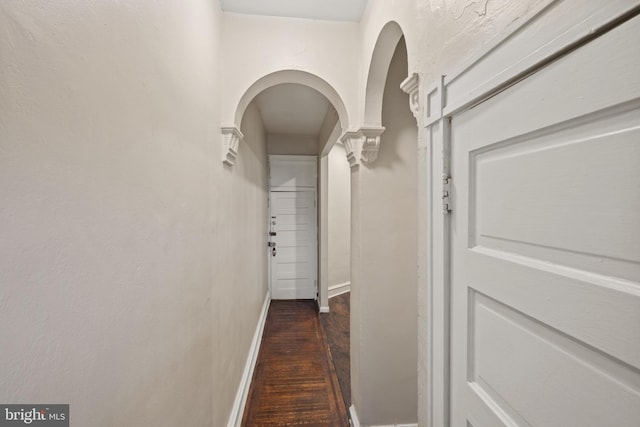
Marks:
<point>231,137</point>
<point>362,148</point>
<point>362,145</point>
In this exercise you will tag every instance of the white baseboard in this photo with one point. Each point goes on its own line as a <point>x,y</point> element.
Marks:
<point>237,411</point>
<point>355,422</point>
<point>339,289</point>
<point>324,309</point>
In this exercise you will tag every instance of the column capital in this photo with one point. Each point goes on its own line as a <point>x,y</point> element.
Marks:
<point>231,137</point>
<point>362,145</point>
<point>411,85</point>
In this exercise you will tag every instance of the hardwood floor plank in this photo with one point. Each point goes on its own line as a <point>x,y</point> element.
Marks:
<point>336,327</point>
<point>294,383</point>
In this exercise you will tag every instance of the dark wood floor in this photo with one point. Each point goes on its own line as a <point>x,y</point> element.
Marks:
<point>294,383</point>
<point>335,325</point>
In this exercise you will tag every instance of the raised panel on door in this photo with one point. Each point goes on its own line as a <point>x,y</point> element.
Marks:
<point>293,263</point>
<point>545,261</point>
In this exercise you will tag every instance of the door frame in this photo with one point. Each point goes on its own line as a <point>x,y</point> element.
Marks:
<point>311,185</point>
<point>547,33</point>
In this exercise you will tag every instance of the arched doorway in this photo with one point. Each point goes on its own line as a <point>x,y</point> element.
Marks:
<point>384,245</point>
<point>286,100</point>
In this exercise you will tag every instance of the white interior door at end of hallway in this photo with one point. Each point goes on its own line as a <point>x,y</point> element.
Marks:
<point>294,239</point>
<point>545,235</point>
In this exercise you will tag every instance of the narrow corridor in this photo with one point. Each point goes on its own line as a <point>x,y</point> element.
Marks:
<point>294,382</point>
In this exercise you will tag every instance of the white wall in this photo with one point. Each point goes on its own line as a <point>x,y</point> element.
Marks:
<point>440,34</point>
<point>240,241</point>
<point>287,144</point>
<point>323,232</point>
<point>384,309</point>
<point>329,132</point>
<point>255,46</point>
<point>339,217</point>
<point>118,294</point>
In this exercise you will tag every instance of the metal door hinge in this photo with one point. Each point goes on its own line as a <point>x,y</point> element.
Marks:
<point>446,194</point>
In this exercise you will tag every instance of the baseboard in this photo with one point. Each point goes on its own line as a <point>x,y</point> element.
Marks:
<point>237,411</point>
<point>339,289</point>
<point>355,422</point>
<point>324,309</point>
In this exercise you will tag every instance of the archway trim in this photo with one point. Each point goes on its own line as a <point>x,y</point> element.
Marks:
<point>231,132</point>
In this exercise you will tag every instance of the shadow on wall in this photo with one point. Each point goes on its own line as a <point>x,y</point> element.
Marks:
<point>252,150</point>
<point>397,119</point>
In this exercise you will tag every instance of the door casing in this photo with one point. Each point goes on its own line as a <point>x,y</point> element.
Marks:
<point>292,173</point>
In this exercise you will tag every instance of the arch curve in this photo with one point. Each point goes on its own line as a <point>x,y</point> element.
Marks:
<point>298,77</point>
<point>383,51</point>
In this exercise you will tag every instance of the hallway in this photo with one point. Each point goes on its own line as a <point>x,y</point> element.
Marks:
<point>466,170</point>
<point>294,382</point>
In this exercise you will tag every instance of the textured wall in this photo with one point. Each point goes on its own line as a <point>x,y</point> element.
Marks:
<point>117,293</point>
<point>440,34</point>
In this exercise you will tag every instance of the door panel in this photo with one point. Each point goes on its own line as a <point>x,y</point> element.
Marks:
<point>293,268</point>
<point>545,263</point>
<point>292,172</point>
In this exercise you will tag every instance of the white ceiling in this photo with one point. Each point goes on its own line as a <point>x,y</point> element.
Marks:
<point>292,109</point>
<point>329,10</point>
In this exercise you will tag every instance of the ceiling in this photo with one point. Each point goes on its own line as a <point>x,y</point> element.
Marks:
<point>329,10</point>
<point>292,109</point>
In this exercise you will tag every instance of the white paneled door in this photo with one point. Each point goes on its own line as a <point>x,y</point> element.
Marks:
<point>294,245</point>
<point>545,261</point>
